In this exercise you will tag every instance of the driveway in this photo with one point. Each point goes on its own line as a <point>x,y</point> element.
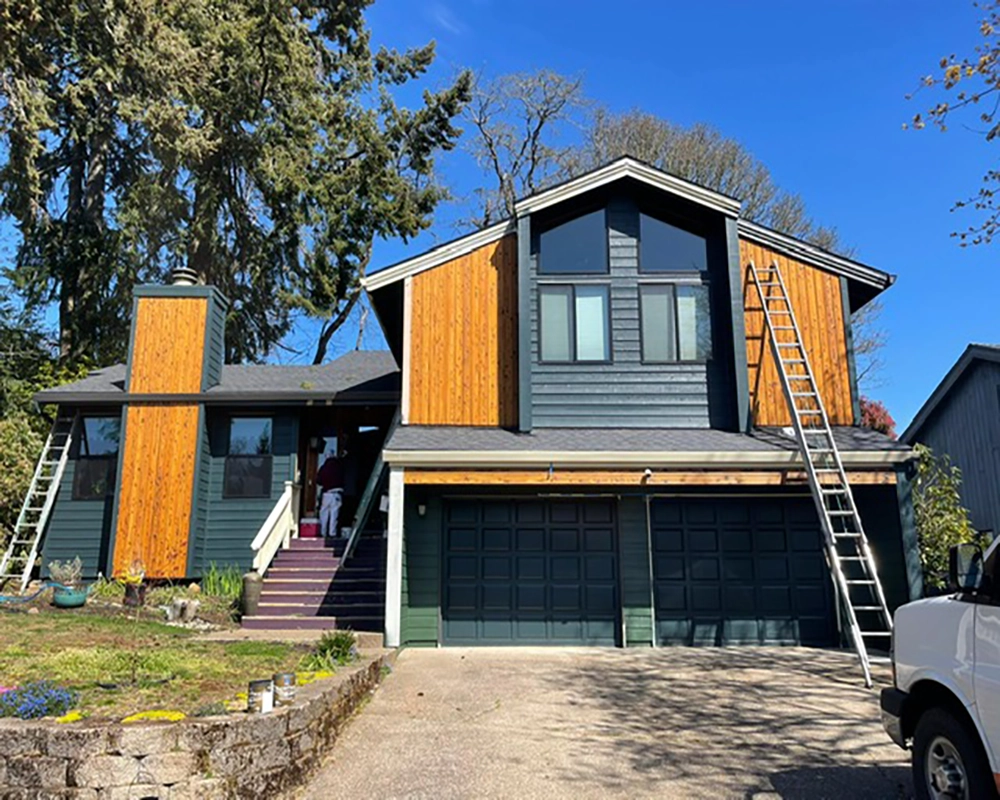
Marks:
<point>580,723</point>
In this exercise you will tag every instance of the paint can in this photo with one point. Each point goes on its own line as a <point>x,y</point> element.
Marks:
<point>260,697</point>
<point>284,688</point>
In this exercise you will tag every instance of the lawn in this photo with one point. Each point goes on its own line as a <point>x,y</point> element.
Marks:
<point>121,665</point>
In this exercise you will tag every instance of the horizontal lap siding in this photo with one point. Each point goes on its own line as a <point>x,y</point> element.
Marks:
<point>463,340</point>
<point>232,523</point>
<point>422,555</point>
<point>625,393</point>
<point>816,300</point>
<point>77,528</point>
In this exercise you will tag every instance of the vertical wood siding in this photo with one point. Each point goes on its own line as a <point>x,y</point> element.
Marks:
<point>156,488</point>
<point>463,345</point>
<point>816,300</point>
<point>966,426</point>
<point>168,344</point>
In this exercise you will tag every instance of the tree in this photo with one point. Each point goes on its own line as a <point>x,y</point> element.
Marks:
<point>969,86</point>
<point>875,416</point>
<point>257,144</point>
<point>941,519</point>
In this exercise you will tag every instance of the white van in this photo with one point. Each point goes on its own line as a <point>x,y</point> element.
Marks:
<point>946,673</point>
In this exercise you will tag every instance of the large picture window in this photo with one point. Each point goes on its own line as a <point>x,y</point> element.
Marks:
<point>576,247</point>
<point>666,248</point>
<point>676,324</point>
<point>575,323</point>
<point>248,460</point>
<point>97,459</point>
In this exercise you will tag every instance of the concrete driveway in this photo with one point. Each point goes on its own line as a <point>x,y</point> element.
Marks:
<point>580,723</point>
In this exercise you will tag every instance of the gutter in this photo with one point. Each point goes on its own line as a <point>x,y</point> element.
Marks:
<point>588,458</point>
<point>217,398</point>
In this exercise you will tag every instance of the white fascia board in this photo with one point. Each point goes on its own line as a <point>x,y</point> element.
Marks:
<point>816,256</point>
<point>437,256</point>
<point>451,459</point>
<point>629,168</point>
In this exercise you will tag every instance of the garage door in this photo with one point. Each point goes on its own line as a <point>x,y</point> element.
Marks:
<point>740,571</point>
<point>529,572</point>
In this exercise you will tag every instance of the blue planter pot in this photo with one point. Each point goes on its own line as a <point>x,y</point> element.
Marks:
<point>67,597</point>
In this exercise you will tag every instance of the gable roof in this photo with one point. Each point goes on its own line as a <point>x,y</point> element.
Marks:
<point>651,176</point>
<point>370,375</point>
<point>973,353</point>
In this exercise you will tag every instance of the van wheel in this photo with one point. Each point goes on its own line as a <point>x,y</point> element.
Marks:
<point>948,760</point>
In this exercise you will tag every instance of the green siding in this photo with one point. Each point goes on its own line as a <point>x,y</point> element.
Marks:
<point>215,340</point>
<point>880,514</point>
<point>421,596</point>
<point>78,527</point>
<point>231,524</point>
<point>202,488</point>
<point>636,595</point>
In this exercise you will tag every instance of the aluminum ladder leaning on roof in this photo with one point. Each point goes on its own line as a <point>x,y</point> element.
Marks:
<point>849,555</point>
<point>22,549</point>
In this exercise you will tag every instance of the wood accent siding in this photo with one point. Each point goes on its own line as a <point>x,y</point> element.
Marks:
<point>464,477</point>
<point>816,300</point>
<point>168,345</point>
<point>463,362</point>
<point>155,489</point>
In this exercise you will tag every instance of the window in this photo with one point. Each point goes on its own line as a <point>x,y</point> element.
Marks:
<point>579,246</point>
<point>248,461</point>
<point>666,248</point>
<point>675,322</point>
<point>574,323</point>
<point>94,471</point>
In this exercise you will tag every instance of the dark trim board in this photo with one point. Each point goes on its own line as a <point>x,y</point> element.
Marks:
<point>744,420</point>
<point>852,367</point>
<point>523,329</point>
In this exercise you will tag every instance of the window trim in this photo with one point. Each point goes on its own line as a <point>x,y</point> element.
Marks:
<point>643,270</point>
<point>561,276</point>
<point>677,323</point>
<point>269,456</point>
<point>575,361</point>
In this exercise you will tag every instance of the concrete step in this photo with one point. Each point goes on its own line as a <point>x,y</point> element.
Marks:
<point>271,622</point>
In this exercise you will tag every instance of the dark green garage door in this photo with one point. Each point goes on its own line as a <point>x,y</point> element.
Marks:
<point>530,572</point>
<point>740,571</point>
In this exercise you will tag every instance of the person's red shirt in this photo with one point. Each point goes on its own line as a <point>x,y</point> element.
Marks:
<point>330,475</point>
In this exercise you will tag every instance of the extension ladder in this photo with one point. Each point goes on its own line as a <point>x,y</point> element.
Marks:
<point>22,549</point>
<point>848,553</point>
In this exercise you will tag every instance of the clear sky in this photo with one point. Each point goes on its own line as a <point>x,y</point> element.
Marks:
<point>816,90</point>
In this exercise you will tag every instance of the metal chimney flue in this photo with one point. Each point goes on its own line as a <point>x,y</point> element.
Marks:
<point>184,276</point>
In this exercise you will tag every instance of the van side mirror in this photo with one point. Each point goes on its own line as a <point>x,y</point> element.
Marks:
<point>965,567</point>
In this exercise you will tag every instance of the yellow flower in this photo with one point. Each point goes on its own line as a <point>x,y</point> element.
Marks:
<point>72,716</point>
<point>302,678</point>
<point>158,715</point>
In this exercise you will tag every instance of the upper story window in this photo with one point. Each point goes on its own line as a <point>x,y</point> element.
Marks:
<point>575,323</point>
<point>676,325</point>
<point>248,459</point>
<point>666,248</point>
<point>94,475</point>
<point>576,247</point>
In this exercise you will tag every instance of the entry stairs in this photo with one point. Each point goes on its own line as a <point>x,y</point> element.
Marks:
<point>869,621</point>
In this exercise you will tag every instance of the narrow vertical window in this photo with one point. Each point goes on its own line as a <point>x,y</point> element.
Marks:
<point>593,342</point>
<point>659,328</point>
<point>248,461</point>
<point>693,330</point>
<point>557,323</point>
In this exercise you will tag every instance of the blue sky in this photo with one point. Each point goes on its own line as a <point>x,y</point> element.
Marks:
<point>816,90</point>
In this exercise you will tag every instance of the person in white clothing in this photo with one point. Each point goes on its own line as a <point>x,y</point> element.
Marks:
<point>330,480</point>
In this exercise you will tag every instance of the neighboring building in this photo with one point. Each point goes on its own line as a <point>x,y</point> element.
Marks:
<point>592,442</point>
<point>961,419</point>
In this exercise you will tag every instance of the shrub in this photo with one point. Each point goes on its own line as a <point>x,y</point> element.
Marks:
<point>335,648</point>
<point>68,573</point>
<point>226,582</point>
<point>37,699</point>
<point>876,416</point>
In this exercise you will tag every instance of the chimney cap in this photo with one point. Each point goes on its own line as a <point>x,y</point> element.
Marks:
<point>184,276</point>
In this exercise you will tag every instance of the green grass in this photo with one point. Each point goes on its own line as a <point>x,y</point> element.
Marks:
<point>82,650</point>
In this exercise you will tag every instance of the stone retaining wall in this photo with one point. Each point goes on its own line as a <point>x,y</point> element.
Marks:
<point>245,756</point>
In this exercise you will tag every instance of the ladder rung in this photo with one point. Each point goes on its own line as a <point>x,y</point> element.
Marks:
<point>782,327</point>
<point>846,535</point>
<point>833,491</point>
<point>805,394</point>
<point>788,344</point>
<point>793,361</point>
<point>840,513</point>
<point>867,608</point>
<point>853,582</point>
<point>851,558</point>
<point>875,633</point>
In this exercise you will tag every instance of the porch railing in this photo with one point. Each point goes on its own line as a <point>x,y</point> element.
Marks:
<point>370,495</point>
<point>276,532</point>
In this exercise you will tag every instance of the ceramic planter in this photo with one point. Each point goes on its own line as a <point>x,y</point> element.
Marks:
<point>69,596</point>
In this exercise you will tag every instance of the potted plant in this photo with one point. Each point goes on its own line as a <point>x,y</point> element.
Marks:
<point>135,589</point>
<point>69,590</point>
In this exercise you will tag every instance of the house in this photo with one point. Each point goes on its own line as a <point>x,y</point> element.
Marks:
<point>961,419</point>
<point>586,440</point>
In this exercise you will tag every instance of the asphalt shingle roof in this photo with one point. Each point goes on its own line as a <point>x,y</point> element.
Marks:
<point>358,372</point>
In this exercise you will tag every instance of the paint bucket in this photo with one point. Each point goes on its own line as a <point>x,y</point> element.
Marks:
<point>284,688</point>
<point>260,697</point>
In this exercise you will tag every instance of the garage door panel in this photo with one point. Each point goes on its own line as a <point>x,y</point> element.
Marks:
<point>463,512</point>
<point>757,574</point>
<point>532,572</point>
